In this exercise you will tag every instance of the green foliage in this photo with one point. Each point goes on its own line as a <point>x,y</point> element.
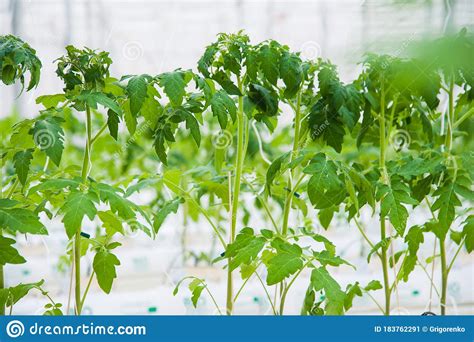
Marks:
<point>392,197</point>
<point>245,249</point>
<point>8,254</point>
<point>105,269</point>
<point>338,160</point>
<point>322,280</point>
<point>77,205</point>
<point>196,286</point>
<point>285,262</point>
<point>468,233</point>
<point>48,136</point>
<point>19,220</point>
<point>17,59</point>
<point>447,199</point>
<point>223,106</point>
<point>21,162</point>
<point>86,69</point>
<point>10,296</point>
<point>337,107</point>
<point>168,208</point>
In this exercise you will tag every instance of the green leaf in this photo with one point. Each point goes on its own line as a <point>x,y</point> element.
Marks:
<point>264,99</point>
<point>111,223</point>
<point>21,220</point>
<point>113,121</point>
<point>7,203</point>
<point>274,169</point>
<point>51,101</point>
<point>330,247</point>
<point>322,280</point>
<point>206,60</point>
<point>392,196</point>
<point>49,137</point>
<point>408,266</point>
<point>244,249</point>
<point>223,106</point>
<point>247,270</point>
<point>373,285</point>
<point>56,184</point>
<point>415,167</point>
<point>193,125</point>
<point>325,189</point>
<point>16,59</point>
<point>174,85</point>
<point>269,61</point>
<point>77,205</point>
<point>168,208</point>
<point>414,239</point>
<point>104,266</point>
<point>325,216</point>
<point>226,84</point>
<point>172,179</point>
<point>196,287</point>
<point>446,202</point>
<point>21,163</point>
<point>151,110</point>
<point>115,198</point>
<point>328,258</point>
<point>14,294</point>
<point>8,254</point>
<point>291,72</point>
<point>137,92</point>
<point>468,233</point>
<point>143,183</point>
<point>92,99</point>
<point>286,262</point>
<point>352,290</point>
<point>439,230</point>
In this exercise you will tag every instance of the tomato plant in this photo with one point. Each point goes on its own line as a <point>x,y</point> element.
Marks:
<point>266,148</point>
<point>17,215</point>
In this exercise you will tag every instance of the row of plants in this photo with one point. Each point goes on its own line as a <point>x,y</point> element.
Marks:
<point>254,126</point>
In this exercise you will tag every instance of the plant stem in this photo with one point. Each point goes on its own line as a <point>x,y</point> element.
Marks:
<point>442,248</point>
<point>449,131</point>
<point>287,288</point>
<point>97,135</point>
<point>86,162</point>
<point>77,270</point>
<point>461,244</point>
<point>236,191</point>
<point>384,177</point>
<point>444,277</point>
<point>71,278</point>
<point>294,152</point>
<point>264,204</point>
<point>364,235</point>
<point>375,301</point>
<point>433,285</point>
<point>290,190</point>
<point>77,238</point>
<point>204,212</point>
<point>464,117</point>
<point>267,294</point>
<point>87,289</point>
<point>385,269</point>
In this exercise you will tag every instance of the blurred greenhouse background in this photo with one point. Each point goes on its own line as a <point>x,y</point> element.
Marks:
<point>153,36</point>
